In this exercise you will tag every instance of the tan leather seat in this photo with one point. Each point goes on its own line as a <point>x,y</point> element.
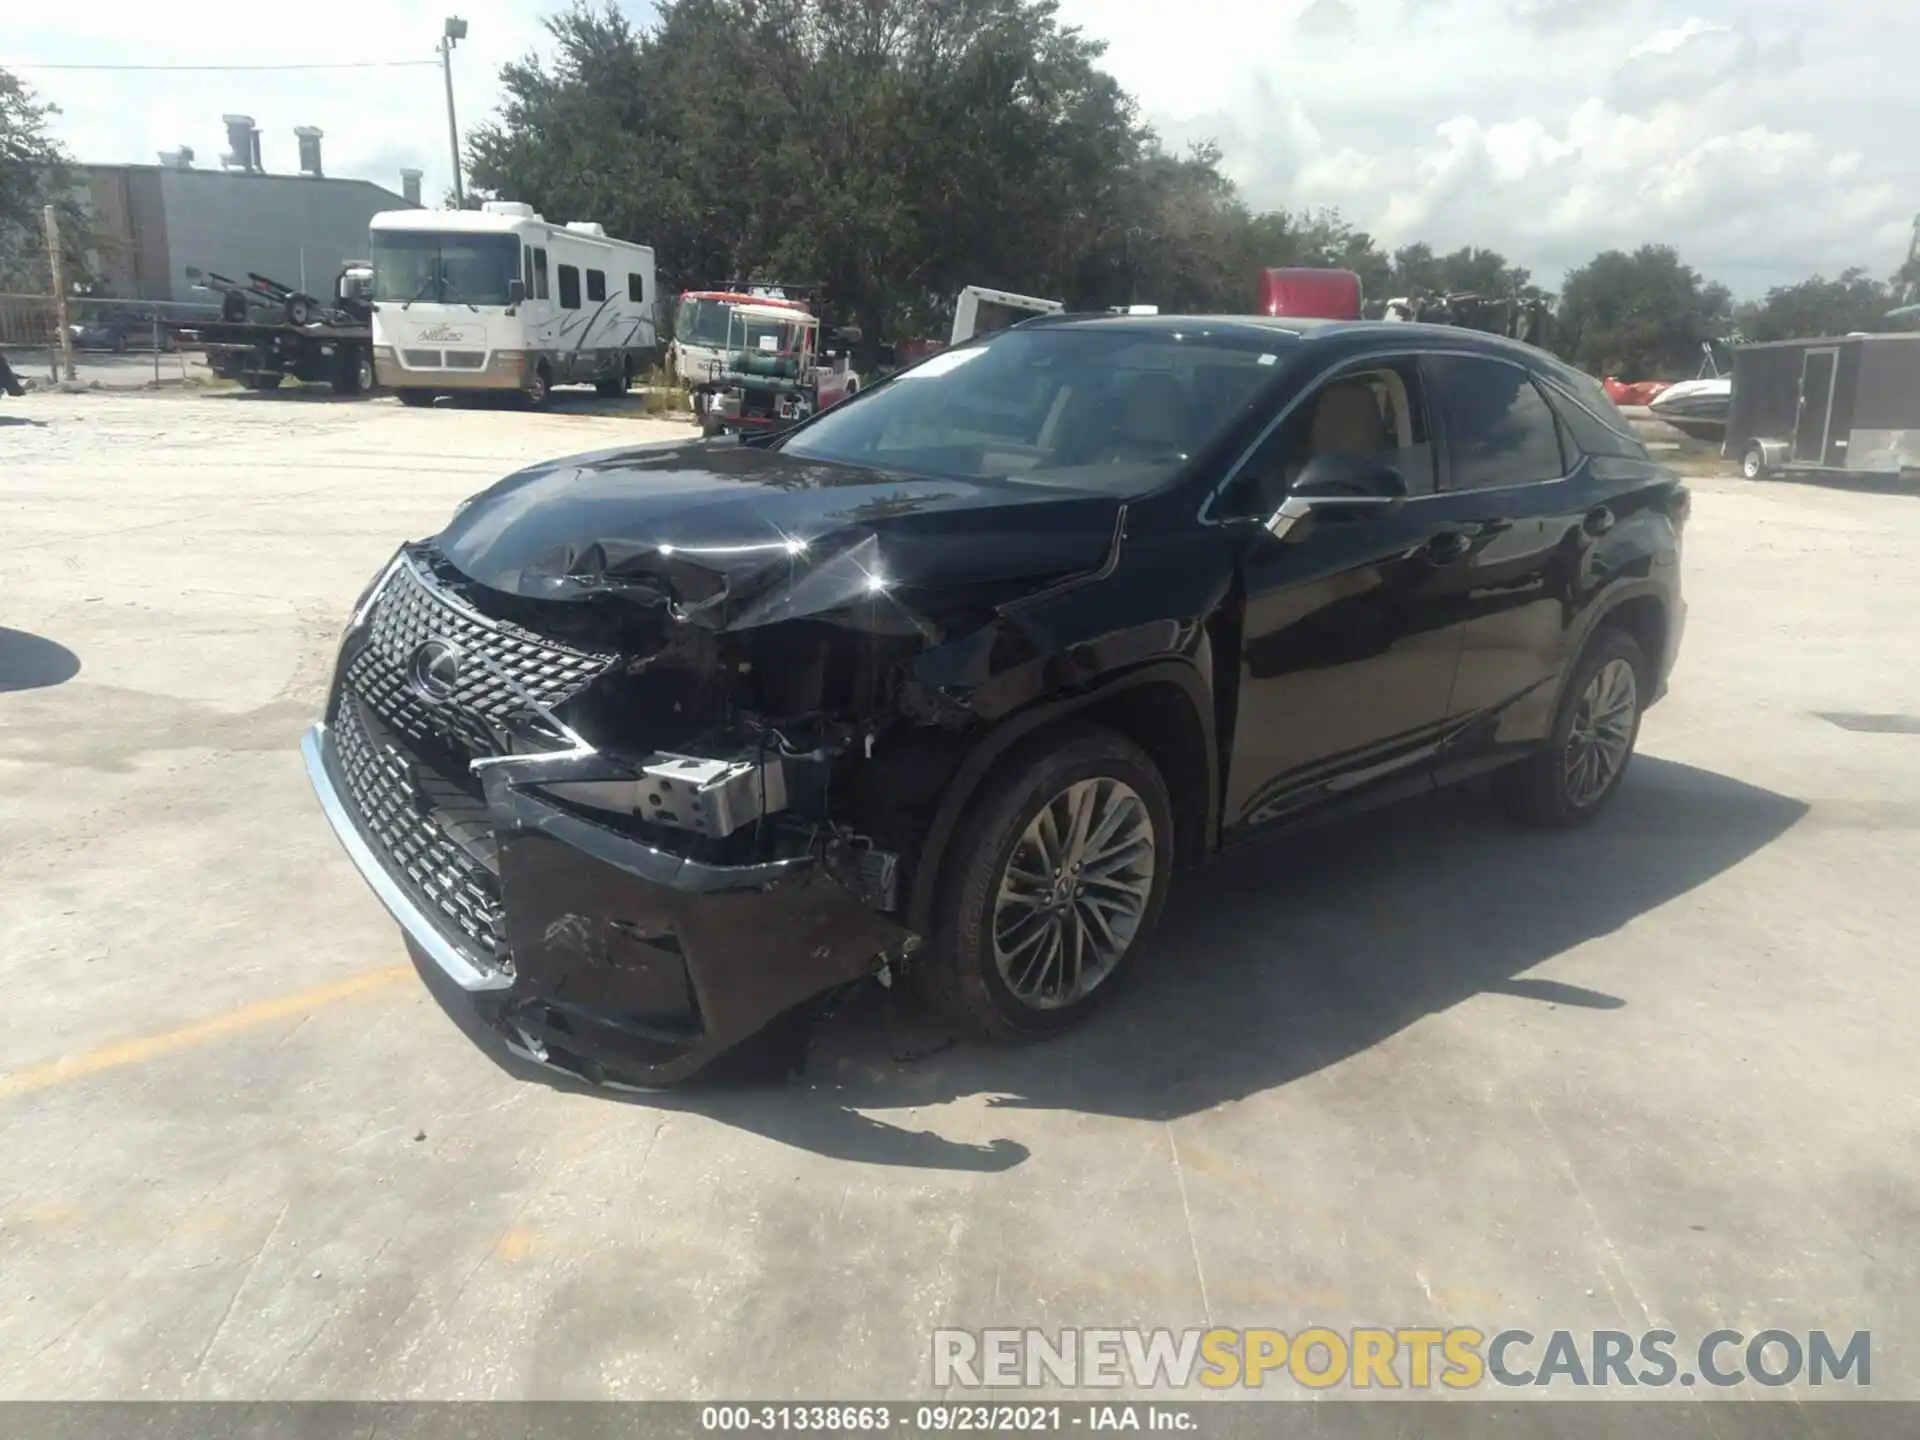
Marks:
<point>1347,421</point>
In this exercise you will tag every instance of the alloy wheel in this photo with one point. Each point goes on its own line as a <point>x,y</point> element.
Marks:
<point>1602,733</point>
<point>1073,893</point>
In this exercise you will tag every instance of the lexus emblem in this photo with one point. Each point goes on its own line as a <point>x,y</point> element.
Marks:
<point>434,670</point>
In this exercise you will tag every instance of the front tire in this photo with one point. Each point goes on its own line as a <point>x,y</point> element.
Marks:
<point>1753,464</point>
<point>539,392</point>
<point>1051,887</point>
<point>355,375</point>
<point>1578,771</point>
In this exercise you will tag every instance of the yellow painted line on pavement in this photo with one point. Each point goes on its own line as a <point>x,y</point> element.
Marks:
<point>143,1048</point>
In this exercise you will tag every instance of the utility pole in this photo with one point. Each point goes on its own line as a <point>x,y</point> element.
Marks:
<point>58,264</point>
<point>452,34</point>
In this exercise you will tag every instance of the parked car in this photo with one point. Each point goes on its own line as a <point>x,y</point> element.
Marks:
<point>647,747</point>
<point>119,331</point>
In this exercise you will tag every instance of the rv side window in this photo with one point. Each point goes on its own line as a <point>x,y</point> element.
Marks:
<point>569,287</point>
<point>636,290</point>
<point>596,285</point>
<point>526,269</point>
<point>539,273</point>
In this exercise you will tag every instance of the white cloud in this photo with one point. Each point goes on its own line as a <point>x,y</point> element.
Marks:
<point>1762,145</point>
<point>1665,42</point>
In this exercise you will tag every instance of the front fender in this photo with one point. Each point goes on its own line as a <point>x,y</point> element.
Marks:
<point>1189,673</point>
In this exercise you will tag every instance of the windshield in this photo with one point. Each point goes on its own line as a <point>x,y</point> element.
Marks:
<point>1104,407</point>
<point>432,267</point>
<point>706,322</point>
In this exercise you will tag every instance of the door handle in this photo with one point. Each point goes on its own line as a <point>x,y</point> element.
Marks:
<point>1598,522</point>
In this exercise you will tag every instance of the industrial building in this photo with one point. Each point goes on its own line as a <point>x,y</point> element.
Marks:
<point>161,228</point>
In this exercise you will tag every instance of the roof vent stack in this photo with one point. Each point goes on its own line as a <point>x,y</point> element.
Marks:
<point>243,144</point>
<point>309,138</point>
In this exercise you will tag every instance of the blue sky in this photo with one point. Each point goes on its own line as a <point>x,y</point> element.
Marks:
<point>1767,139</point>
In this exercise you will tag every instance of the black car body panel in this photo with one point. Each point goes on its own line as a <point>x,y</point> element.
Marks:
<point>880,640</point>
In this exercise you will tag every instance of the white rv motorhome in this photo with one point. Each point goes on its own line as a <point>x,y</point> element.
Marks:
<point>501,299</point>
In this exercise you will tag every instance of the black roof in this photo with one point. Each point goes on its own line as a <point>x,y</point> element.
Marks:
<point>1298,326</point>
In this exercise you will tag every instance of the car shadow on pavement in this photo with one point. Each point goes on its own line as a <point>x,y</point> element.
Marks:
<point>319,393</point>
<point>1283,958</point>
<point>33,662</point>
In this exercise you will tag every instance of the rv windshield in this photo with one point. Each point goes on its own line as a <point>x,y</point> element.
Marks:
<point>1101,407</point>
<point>436,268</point>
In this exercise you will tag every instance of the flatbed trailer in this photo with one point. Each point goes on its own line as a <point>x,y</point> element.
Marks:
<point>260,354</point>
<point>294,334</point>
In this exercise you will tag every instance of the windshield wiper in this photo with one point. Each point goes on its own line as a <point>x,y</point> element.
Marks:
<point>458,296</point>
<point>431,280</point>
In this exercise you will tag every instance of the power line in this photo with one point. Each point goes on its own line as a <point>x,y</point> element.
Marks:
<point>339,65</point>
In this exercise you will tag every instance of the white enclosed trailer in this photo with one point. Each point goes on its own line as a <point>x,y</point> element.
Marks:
<point>980,311</point>
<point>501,299</point>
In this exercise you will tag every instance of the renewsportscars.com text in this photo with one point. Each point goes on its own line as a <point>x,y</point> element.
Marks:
<point>1319,1358</point>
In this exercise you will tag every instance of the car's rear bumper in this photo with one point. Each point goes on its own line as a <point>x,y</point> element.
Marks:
<point>621,963</point>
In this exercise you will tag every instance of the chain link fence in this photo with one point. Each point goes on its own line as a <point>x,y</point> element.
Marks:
<point>117,343</point>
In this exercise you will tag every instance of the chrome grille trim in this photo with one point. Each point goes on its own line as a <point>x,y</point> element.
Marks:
<point>389,789</point>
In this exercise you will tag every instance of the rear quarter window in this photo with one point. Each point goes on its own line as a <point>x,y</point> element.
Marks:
<point>1594,422</point>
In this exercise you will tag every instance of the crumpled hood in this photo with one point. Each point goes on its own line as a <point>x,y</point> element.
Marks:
<point>733,536</point>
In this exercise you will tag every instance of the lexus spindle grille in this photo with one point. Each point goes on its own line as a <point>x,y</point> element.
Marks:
<point>492,664</point>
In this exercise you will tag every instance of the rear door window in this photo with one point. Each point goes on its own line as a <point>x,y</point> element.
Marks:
<point>1500,431</point>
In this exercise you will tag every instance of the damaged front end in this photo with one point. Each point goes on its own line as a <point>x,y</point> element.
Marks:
<point>640,798</point>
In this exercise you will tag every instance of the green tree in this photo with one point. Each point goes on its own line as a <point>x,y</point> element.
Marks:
<point>1639,316</point>
<point>888,150</point>
<point>34,173</point>
<point>1819,306</point>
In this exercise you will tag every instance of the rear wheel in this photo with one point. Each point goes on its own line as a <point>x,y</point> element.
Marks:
<point>1753,464</point>
<point>612,387</point>
<point>1052,885</point>
<point>1577,772</point>
<point>261,381</point>
<point>418,399</point>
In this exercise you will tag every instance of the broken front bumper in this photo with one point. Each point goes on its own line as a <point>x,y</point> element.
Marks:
<point>617,962</point>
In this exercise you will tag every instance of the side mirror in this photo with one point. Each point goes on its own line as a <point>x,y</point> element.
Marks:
<point>1348,487</point>
<point>1362,477</point>
<point>516,292</point>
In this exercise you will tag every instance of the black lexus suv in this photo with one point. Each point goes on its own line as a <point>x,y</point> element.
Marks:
<point>649,747</point>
